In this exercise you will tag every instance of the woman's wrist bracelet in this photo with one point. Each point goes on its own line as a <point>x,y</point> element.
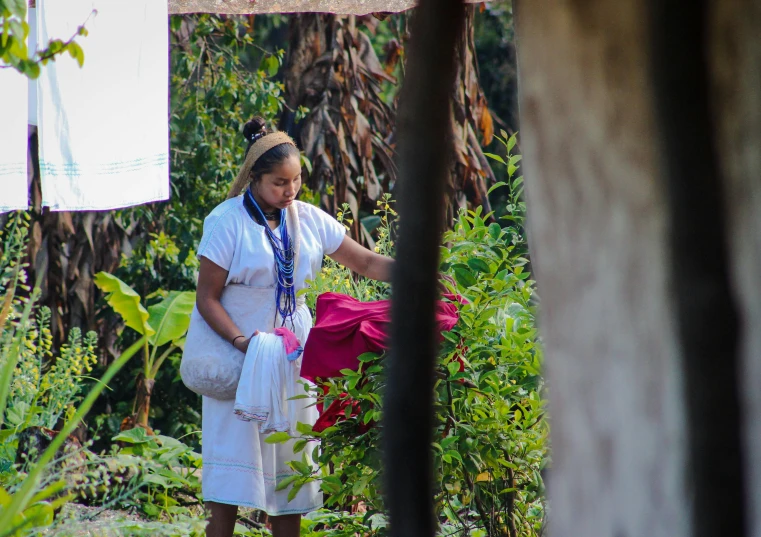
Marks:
<point>236,339</point>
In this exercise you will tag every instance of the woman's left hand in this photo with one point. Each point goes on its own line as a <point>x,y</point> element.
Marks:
<point>242,344</point>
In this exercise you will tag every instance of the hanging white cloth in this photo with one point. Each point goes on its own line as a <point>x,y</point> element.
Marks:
<point>32,45</point>
<point>268,381</point>
<point>14,193</point>
<point>103,128</point>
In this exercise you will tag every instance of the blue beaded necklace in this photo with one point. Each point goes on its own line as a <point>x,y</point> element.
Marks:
<point>282,247</point>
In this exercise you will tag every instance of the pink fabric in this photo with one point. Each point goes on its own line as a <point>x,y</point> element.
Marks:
<point>346,328</point>
<point>291,342</point>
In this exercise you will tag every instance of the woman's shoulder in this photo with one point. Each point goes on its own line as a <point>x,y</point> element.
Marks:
<point>330,231</point>
<point>227,211</point>
<point>311,212</point>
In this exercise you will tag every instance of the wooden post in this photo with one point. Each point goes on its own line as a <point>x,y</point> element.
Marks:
<point>631,152</point>
<point>734,55</point>
<point>424,153</point>
<point>705,310</point>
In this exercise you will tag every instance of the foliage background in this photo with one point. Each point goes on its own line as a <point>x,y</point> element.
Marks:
<point>491,441</point>
<point>226,70</point>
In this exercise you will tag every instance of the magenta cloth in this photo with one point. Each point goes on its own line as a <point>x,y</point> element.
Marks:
<point>291,343</point>
<point>346,328</point>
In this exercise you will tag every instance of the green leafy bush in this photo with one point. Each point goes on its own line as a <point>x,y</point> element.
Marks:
<point>44,395</point>
<point>169,472</point>
<point>163,326</point>
<point>491,437</point>
<point>32,491</point>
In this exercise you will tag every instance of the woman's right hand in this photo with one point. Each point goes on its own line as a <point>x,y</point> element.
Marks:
<point>242,344</point>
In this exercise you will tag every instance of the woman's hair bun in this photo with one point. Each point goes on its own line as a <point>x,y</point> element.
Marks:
<point>256,126</point>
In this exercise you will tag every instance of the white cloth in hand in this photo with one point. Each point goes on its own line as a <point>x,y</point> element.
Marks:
<point>267,382</point>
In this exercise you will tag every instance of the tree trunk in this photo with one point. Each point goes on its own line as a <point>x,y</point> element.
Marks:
<point>143,401</point>
<point>333,70</point>
<point>470,173</point>
<point>69,248</point>
<point>349,133</point>
<point>639,325</point>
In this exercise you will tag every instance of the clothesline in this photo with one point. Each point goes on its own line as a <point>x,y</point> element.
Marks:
<point>246,7</point>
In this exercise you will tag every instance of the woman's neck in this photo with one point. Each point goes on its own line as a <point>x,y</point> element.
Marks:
<point>263,205</point>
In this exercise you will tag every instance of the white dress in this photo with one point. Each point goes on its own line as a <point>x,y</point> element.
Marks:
<point>239,468</point>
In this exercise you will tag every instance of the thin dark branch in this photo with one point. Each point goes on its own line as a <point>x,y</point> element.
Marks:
<point>424,151</point>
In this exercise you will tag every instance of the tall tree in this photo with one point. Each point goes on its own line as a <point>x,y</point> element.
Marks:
<point>633,131</point>
<point>68,248</point>
<point>333,70</point>
<point>349,137</point>
<point>470,174</point>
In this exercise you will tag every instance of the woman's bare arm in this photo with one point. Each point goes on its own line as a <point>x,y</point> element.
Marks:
<point>211,282</point>
<point>356,257</point>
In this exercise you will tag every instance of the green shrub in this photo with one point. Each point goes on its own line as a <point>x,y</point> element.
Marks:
<point>491,437</point>
<point>41,469</point>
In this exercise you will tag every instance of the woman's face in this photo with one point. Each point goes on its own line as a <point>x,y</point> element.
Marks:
<point>278,188</point>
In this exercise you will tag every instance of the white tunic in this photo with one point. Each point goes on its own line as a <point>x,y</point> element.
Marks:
<point>239,468</point>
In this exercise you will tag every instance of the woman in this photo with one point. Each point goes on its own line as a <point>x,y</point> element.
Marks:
<point>247,246</point>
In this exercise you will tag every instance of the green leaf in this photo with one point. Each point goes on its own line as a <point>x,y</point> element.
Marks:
<point>294,491</point>
<point>454,454</point>
<point>495,231</point>
<point>495,157</point>
<point>330,486</point>
<point>464,277</point>
<point>286,482</point>
<point>156,480</point>
<point>125,301</point>
<point>138,435</point>
<point>76,52</point>
<point>300,445</point>
<point>301,467</point>
<point>367,357</point>
<point>17,7</point>
<point>369,415</point>
<point>38,515</point>
<point>448,441</point>
<point>277,438</point>
<point>171,317</point>
<point>496,185</point>
<point>304,428</point>
<point>31,70</point>
<point>511,142</point>
<point>479,265</point>
<point>272,65</point>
